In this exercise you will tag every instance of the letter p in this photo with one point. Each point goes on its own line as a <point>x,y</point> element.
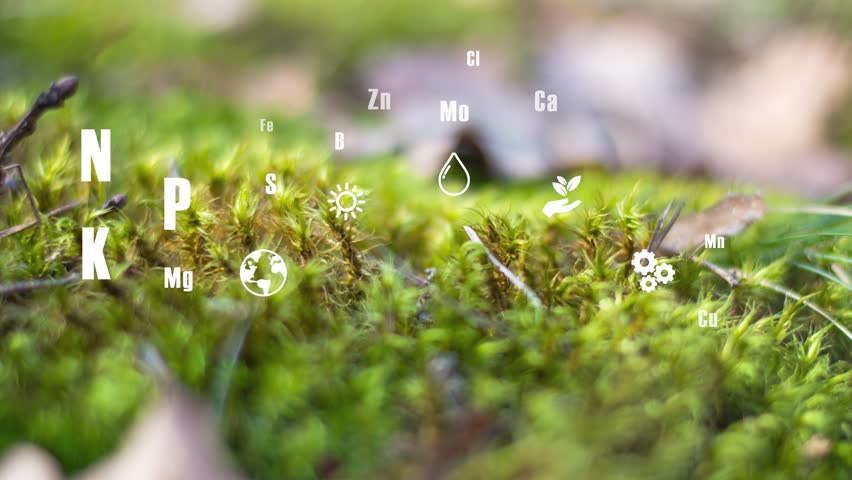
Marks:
<point>177,194</point>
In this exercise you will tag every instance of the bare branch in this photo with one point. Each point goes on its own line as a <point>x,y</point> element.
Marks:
<point>28,285</point>
<point>114,204</point>
<point>55,212</point>
<point>54,97</point>
<point>726,276</point>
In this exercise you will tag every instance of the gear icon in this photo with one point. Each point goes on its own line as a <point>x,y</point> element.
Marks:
<point>648,284</point>
<point>647,257</point>
<point>664,273</point>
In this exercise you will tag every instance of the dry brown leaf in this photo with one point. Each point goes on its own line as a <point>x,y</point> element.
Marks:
<point>728,217</point>
<point>28,462</point>
<point>177,439</point>
<point>766,121</point>
<point>817,447</point>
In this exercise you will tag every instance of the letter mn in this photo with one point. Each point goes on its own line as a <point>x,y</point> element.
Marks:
<point>712,241</point>
<point>92,152</point>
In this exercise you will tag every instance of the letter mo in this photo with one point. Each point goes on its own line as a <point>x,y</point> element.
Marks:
<point>453,111</point>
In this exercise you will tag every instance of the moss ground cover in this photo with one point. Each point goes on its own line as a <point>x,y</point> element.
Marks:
<point>344,366</point>
<point>395,349</point>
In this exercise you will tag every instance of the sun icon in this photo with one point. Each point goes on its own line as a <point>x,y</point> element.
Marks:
<point>346,200</point>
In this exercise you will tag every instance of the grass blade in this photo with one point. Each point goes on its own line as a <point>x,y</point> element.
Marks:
<point>818,210</point>
<point>806,236</point>
<point>827,256</point>
<point>822,273</point>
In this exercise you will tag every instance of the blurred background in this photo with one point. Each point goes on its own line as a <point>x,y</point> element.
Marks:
<point>751,93</point>
<point>744,95</point>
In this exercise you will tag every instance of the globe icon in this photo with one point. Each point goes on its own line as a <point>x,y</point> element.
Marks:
<point>263,273</point>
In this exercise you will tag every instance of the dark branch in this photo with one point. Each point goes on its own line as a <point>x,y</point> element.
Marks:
<point>55,212</point>
<point>39,283</point>
<point>660,230</point>
<point>114,204</point>
<point>54,97</point>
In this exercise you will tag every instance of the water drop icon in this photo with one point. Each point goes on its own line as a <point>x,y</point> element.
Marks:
<point>451,162</point>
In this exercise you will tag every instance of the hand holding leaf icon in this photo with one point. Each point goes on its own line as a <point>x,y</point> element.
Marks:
<point>562,187</point>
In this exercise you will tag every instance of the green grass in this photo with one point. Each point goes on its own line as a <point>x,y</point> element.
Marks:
<point>604,382</point>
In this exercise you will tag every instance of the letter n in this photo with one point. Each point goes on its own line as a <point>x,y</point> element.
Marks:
<point>92,152</point>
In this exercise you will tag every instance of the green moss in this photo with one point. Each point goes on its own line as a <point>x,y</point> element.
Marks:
<point>605,382</point>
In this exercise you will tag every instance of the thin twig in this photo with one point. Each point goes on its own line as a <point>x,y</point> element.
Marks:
<point>731,278</point>
<point>54,97</point>
<point>661,231</point>
<point>28,285</point>
<point>114,204</point>
<point>795,296</point>
<point>55,212</point>
<point>517,282</point>
<point>727,276</point>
